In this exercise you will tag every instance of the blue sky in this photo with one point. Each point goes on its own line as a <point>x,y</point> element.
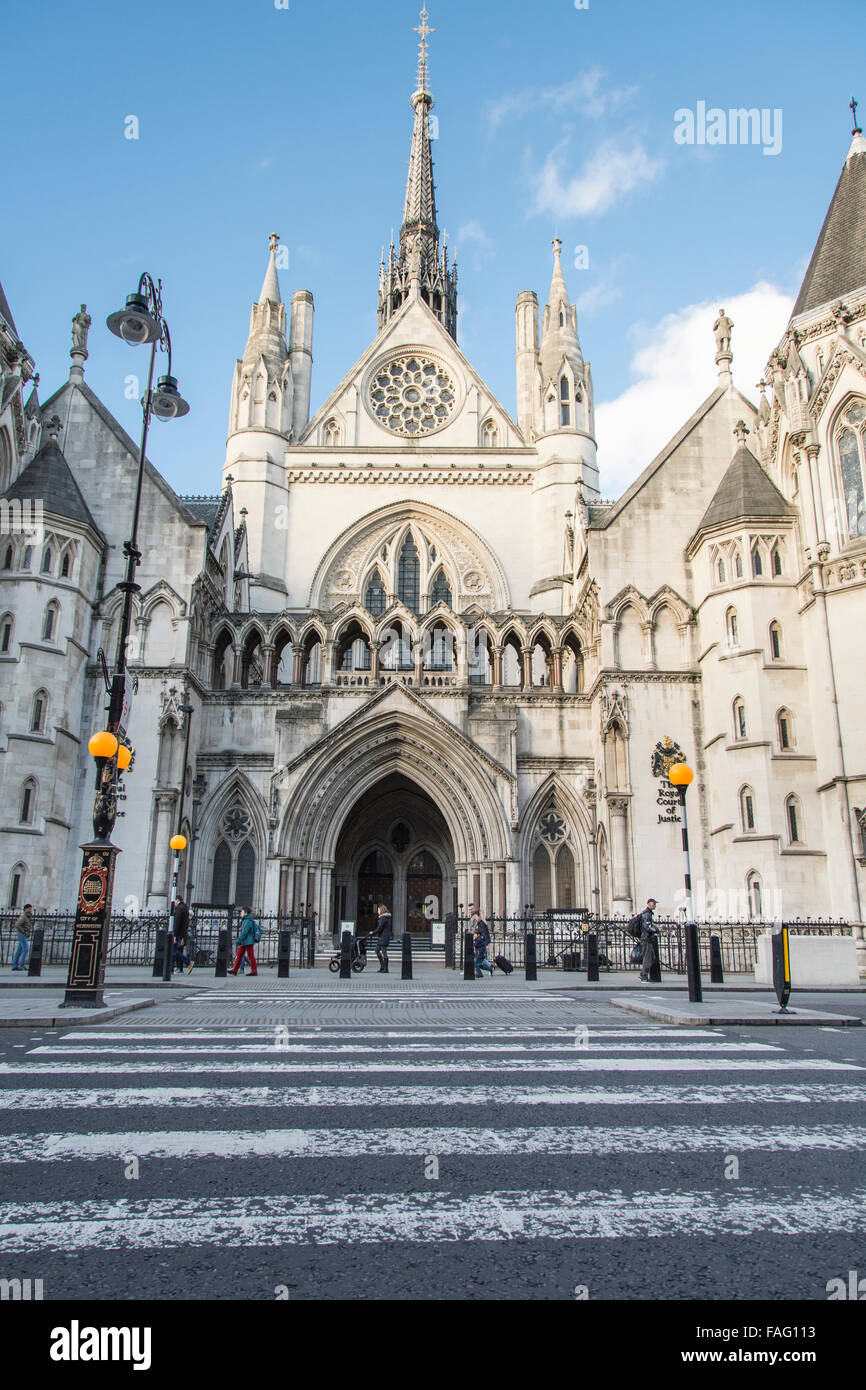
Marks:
<point>255,119</point>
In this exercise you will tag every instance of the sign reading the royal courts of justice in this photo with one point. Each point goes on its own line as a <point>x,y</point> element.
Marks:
<point>664,755</point>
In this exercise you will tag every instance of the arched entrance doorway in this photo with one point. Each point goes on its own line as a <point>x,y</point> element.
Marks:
<point>395,848</point>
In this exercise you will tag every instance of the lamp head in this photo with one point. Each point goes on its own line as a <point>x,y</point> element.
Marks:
<point>681,775</point>
<point>166,402</point>
<point>102,745</point>
<point>135,323</point>
<point>178,842</point>
<point>124,757</point>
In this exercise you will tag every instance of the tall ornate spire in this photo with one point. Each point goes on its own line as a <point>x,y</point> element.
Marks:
<point>420,268</point>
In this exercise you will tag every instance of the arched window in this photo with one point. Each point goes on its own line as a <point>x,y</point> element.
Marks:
<point>738,564</point>
<point>222,869</point>
<point>794,819</point>
<point>8,557</point>
<point>480,660</point>
<point>739,718</point>
<point>28,802</point>
<point>39,712</point>
<point>785,729</point>
<point>541,868</point>
<point>408,575</point>
<point>776,560</point>
<point>755,894</point>
<point>721,573</point>
<point>375,598</point>
<point>732,627</point>
<point>47,560</point>
<point>565,878</point>
<point>5,459</point>
<point>66,565</point>
<point>245,886</point>
<point>27,558</point>
<point>747,810</point>
<point>441,590</point>
<point>6,627</point>
<point>49,623</point>
<point>757,561</point>
<point>851,450</point>
<point>332,433</point>
<point>16,885</point>
<point>441,651</point>
<point>775,641</point>
<point>223,663</point>
<point>311,664</point>
<point>564,401</point>
<point>489,434</point>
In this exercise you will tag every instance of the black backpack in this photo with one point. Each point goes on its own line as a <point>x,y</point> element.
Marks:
<point>635,925</point>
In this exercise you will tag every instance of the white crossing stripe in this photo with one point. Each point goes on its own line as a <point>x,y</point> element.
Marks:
<point>144,1049</point>
<point>672,1063</point>
<point>255,1031</point>
<point>418,1142</point>
<point>243,1221</point>
<point>292,1098</point>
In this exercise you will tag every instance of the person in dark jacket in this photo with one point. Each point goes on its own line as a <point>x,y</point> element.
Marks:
<point>180,930</point>
<point>481,938</point>
<point>23,926</point>
<point>382,932</point>
<point>649,939</point>
<point>246,941</point>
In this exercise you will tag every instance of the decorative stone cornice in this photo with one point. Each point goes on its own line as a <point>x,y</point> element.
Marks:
<point>482,476</point>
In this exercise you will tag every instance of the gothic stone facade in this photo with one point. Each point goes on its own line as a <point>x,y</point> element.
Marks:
<point>427,663</point>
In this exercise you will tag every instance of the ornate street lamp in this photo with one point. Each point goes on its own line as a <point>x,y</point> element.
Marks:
<point>178,843</point>
<point>140,322</point>
<point>681,776</point>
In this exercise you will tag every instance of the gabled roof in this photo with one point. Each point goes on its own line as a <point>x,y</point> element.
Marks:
<point>49,478</point>
<point>838,264</point>
<point>745,491</point>
<point>204,509</point>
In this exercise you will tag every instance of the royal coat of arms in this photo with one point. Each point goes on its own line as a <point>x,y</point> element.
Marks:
<point>664,755</point>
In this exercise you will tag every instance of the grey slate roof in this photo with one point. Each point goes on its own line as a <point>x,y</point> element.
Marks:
<point>745,491</point>
<point>838,264</point>
<point>6,312</point>
<point>49,477</point>
<point>203,508</point>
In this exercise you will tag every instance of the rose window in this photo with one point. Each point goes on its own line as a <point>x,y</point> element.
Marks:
<point>236,824</point>
<point>412,395</point>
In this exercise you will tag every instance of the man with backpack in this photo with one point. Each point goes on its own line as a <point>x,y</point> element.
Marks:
<point>481,939</point>
<point>649,937</point>
<point>249,935</point>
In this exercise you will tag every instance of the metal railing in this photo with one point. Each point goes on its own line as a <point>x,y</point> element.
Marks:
<point>132,940</point>
<point>561,934</point>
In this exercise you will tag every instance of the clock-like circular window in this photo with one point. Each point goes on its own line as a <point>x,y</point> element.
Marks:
<point>411,395</point>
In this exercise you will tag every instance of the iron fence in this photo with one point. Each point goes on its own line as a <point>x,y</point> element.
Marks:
<point>559,935</point>
<point>132,940</point>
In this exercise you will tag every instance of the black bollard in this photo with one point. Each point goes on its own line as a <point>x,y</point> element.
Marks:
<point>284,954</point>
<point>450,939</point>
<point>717,976</point>
<point>346,956</point>
<point>693,964</point>
<point>35,966</point>
<point>406,973</point>
<point>468,956</point>
<point>782,968</point>
<point>222,955</point>
<point>530,958</point>
<point>159,954</point>
<point>168,958</point>
<point>591,956</point>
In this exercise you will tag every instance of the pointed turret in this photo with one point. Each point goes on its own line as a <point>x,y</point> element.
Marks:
<point>420,268</point>
<point>565,379</point>
<point>838,264</point>
<point>262,394</point>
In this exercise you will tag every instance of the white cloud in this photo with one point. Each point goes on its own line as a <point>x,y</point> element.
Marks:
<point>586,95</point>
<point>613,170</point>
<point>676,371</point>
<point>473,231</point>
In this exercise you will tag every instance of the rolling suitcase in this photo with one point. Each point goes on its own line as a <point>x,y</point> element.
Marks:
<point>504,964</point>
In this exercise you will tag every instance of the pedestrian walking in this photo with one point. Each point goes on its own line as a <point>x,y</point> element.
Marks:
<point>180,930</point>
<point>248,935</point>
<point>382,932</point>
<point>649,940</point>
<point>481,940</point>
<point>23,926</point>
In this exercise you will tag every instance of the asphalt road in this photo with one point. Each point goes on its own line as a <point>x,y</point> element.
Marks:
<point>535,1148</point>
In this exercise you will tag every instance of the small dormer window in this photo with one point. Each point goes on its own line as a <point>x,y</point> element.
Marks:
<point>564,402</point>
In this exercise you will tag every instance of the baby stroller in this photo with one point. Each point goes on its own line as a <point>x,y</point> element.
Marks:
<point>359,956</point>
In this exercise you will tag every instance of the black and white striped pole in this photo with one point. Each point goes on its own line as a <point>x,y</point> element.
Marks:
<point>681,776</point>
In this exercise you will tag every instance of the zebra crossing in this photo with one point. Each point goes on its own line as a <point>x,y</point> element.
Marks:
<point>467,1136</point>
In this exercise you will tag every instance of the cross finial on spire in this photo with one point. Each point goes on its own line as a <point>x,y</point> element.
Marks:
<point>557,246</point>
<point>854,104</point>
<point>274,241</point>
<point>424,30</point>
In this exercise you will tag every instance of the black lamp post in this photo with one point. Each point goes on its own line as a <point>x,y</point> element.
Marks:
<point>178,844</point>
<point>681,776</point>
<point>140,321</point>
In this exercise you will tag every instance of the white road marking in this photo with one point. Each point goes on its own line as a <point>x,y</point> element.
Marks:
<point>244,1221</point>
<point>415,1142</point>
<point>367,1097</point>
<point>491,1050</point>
<point>671,1063</point>
<point>485,1031</point>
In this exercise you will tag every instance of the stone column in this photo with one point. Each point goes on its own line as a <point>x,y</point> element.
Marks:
<point>237,664</point>
<point>526,657</point>
<point>557,669</point>
<point>298,670</point>
<point>502,899</point>
<point>374,664</point>
<point>268,665</point>
<point>497,667</point>
<point>476,887</point>
<point>329,655</point>
<point>488,893</point>
<point>621,890</point>
<point>163,829</point>
<point>418,654</point>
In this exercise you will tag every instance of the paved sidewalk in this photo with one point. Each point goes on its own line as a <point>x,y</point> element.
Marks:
<point>43,1009</point>
<point>741,1013</point>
